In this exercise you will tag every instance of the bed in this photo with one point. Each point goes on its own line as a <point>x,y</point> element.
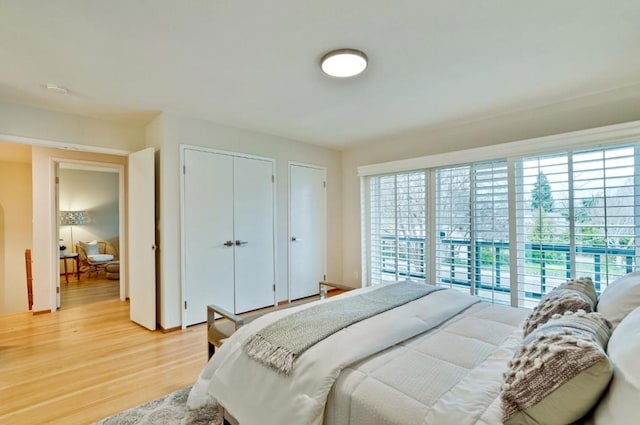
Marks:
<point>440,359</point>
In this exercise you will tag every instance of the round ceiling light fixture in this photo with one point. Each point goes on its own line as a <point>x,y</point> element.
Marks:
<point>343,63</point>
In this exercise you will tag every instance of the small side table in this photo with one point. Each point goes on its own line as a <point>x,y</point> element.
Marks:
<point>64,258</point>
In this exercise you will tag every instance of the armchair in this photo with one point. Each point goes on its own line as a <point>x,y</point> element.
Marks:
<point>94,256</point>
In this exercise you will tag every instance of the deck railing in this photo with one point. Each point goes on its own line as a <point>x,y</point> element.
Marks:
<point>414,267</point>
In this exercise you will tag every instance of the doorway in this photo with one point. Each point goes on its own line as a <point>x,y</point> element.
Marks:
<point>89,200</point>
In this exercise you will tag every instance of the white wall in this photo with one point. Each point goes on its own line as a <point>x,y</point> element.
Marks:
<point>181,130</point>
<point>41,127</point>
<point>15,234</point>
<point>45,235</point>
<point>29,122</point>
<point>593,111</point>
<point>95,192</point>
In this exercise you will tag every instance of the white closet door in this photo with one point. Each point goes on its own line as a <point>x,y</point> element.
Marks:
<point>208,227</point>
<point>254,235</point>
<point>307,215</point>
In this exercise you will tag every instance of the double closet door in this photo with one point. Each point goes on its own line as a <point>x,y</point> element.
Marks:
<point>228,218</point>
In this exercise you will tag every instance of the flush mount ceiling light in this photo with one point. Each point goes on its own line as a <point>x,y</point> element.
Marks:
<point>343,63</point>
<point>56,88</point>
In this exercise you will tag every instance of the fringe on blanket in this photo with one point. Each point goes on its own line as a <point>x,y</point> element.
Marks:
<point>269,354</point>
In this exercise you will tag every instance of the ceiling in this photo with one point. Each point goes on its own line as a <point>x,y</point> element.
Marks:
<point>254,64</point>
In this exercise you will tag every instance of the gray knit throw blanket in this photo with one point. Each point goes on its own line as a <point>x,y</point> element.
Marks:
<point>280,343</point>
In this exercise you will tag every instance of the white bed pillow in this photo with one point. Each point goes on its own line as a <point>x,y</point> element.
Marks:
<point>620,298</point>
<point>621,403</point>
<point>91,248</point>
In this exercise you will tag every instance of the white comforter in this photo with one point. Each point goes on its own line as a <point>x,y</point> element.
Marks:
<point>255,394</point>
<point>450,375</point>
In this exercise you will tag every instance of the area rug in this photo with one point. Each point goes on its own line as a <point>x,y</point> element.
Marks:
<point>170,409</point>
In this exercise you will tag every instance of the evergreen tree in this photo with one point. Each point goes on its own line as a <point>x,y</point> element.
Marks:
<point>541,197</point>
<point>543,226</point>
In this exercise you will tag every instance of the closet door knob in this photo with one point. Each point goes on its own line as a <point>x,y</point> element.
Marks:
<point>241,243</point>
<point>228,243</point>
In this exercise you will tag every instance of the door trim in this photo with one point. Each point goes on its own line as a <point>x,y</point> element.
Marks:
<point>185,147</point>
<point>122,246</point>
<point>45,249</point>
<point>324,266</point>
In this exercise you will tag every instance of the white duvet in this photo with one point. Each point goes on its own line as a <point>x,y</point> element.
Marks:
<point>450,375</point>
<point>400,385</point>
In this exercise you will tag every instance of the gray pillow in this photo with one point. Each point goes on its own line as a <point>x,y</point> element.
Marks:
<point>559,372</point>
<point>573,295</point>
<point>583,285</point>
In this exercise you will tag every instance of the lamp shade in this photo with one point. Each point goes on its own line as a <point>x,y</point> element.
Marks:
<point>73,218</point>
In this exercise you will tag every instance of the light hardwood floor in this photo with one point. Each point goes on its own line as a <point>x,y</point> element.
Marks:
<point>88,361</point>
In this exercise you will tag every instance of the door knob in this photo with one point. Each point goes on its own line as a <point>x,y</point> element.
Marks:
<point>241,243</point>
<point>294,239</point>
<point>228,243</point>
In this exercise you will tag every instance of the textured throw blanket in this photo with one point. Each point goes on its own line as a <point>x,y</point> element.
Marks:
<point>279,344</point>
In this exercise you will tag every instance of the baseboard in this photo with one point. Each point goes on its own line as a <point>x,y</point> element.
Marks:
<point>283,302</point>
<point>166,331</point>
<point>36,313</point>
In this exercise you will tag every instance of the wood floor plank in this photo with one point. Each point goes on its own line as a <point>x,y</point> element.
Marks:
<point>88,360</point>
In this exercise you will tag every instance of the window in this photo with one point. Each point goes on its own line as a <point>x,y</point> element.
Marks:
<point>509,230</point>
<point>453,226</point>
<point>397,223</point>
<point>576,218</point>
<point>472,214</point>
<point>543,225</point>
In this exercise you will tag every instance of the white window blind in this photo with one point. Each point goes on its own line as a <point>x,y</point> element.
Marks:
<point>472,221</point>
<point>397,222</point>
<point>453,226</point>
<point>543,223</point>
<point>575,213</point>
<point>605,192</point>
<point>491,232</point>
<point>575,218</point>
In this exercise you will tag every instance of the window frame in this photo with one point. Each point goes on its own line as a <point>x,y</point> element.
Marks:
<point>603,137</point>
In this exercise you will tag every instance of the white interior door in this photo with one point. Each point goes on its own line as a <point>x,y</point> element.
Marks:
<point>253,206</point>
<point>307,229</point>
<point>208,234</point>
<point>141,258</point>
